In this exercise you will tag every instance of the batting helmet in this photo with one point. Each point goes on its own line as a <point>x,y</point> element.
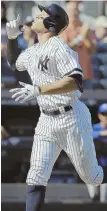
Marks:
<point>57,20</point>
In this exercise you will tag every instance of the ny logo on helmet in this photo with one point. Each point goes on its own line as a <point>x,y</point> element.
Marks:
<point>43,63</point>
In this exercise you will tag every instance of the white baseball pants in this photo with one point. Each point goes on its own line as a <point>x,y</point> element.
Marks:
<point>72,132</point>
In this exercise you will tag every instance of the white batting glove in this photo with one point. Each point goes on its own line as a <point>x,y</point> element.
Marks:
<point>25,94</point>
<point>12,28</point>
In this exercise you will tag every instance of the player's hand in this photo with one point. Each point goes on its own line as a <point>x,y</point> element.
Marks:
<point>26,93</point>
<point>12,28</point>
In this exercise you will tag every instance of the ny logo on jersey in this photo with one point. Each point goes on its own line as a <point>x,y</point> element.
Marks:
<point>43,63</point>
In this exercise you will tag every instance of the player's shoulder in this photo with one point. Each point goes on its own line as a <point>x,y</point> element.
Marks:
<point>62,46</point>
<point>58,43</point>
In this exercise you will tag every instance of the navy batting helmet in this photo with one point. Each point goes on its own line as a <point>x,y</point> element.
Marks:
<point>57,20</point>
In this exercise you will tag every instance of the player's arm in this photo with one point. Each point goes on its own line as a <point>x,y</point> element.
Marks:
<point>65,85</point>
<point>13,51</point>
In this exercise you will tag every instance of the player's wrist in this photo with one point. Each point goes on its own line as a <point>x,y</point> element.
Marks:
<point>36,89</point>
<point>12,37</point>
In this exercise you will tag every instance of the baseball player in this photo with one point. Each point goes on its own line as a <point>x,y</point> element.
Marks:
<point>65,122</point>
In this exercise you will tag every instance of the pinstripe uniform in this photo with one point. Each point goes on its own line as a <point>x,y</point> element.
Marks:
<point>70,131</point>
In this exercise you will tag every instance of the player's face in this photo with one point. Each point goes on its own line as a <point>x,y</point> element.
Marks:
<point>37,25</point>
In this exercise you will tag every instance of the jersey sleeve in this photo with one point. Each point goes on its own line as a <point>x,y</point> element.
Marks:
<point>22,61</point>
<point>67,62</point>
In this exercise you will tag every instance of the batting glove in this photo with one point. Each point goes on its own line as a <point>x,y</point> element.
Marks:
<point>12,28</point>
<point>28,92</point>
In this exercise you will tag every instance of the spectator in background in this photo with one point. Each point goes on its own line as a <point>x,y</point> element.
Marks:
<point>100,129</point>
<point>27,38</point>
<point>7,75</point>
<point>100,58</point>
<point>100,136</point>
<point>81,39</point>
<point>100,139</point>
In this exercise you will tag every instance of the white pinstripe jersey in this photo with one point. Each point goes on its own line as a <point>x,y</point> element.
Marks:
<point>48,63</point>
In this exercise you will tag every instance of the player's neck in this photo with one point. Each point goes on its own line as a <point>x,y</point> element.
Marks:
<point>31,42</point>
<point>42,38</point>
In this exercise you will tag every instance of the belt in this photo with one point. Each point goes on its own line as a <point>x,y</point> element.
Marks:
<point>57,112</point>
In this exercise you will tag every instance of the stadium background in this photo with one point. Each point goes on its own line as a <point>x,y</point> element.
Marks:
<point>18,122</point>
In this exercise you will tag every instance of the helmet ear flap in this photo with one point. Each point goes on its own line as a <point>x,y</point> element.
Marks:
<point>49,24</point>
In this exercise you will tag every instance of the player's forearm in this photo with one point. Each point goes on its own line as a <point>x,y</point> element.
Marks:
<point>64,85</point>
<point>13,52</point>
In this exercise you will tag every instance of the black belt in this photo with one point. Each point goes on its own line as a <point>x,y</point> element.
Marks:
<point>57,112</point>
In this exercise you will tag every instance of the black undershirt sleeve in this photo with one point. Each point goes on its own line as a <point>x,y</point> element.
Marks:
<point>13,51</point>
<point>79,81</point>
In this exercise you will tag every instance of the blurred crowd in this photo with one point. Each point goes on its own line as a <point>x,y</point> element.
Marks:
<point>91,45</point>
